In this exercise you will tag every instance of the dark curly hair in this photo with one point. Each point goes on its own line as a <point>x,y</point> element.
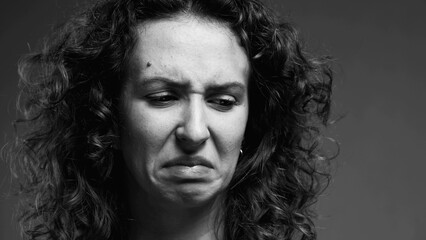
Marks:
<point>70,88</point>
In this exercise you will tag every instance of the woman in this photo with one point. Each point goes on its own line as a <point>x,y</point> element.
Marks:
<point>172,119</point>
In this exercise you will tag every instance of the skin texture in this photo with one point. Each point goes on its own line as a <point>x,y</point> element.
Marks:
<point>185,98</point>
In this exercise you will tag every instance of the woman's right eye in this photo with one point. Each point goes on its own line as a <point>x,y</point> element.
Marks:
<point>161,99</point>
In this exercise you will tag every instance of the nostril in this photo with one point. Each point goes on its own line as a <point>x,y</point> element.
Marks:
<point>188,145</point>
<point>192,137</point>
<point>193,130</point>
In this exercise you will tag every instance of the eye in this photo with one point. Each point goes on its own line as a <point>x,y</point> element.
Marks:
<point>161,99</point>
<point>223,102</point>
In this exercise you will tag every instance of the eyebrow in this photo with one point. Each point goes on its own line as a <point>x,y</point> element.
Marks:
<point>163,81</point>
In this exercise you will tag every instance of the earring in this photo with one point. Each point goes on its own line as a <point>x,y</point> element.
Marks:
<point>241,152</point>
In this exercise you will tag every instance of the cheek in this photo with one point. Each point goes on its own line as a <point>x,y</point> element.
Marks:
<point>230,134</point>
<point>231,139</point>
<point>142,128</point>
<point>230,145</point>
<point>142,135</point>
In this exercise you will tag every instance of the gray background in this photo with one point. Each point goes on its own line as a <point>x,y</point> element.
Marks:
<point>378,191</point>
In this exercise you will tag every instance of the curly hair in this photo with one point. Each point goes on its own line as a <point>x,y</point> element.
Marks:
<point>69,94</point>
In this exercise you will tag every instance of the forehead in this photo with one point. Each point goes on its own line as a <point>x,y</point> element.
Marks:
<point>188,48</point>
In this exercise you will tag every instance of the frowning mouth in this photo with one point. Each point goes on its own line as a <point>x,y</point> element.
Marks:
<point>188,161</point>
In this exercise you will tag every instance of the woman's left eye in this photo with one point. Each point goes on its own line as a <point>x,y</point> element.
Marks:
<point>223,103</point>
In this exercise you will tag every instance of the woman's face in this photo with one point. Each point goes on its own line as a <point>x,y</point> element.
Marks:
<point>184,109</point>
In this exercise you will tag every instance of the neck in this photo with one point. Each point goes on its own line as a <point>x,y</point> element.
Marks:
<point>154,219</point>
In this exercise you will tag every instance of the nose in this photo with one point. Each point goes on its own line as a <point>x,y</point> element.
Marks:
<point>193,131</point>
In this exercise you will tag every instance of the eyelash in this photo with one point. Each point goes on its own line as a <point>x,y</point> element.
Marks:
<point>221,102</point>
<point>161,99</point>
<point>224,104</point>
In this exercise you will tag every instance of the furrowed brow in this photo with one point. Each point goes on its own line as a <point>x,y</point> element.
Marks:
<point>161,82</point>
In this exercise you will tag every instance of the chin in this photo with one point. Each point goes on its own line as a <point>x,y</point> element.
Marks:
<point>195,194</point>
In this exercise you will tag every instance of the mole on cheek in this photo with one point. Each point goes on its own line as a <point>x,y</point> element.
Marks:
<point>148,64</point>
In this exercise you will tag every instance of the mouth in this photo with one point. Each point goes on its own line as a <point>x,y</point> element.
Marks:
<point>188,161</point>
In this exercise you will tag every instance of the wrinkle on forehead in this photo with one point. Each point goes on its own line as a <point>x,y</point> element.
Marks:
<point>164,51</point>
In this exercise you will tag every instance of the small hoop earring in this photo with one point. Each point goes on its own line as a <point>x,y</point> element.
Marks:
<point>241,152</point>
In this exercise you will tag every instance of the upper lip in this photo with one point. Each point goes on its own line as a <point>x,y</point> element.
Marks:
<point>189,161</point>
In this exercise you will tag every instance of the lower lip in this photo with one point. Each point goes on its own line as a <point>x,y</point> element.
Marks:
<point>180,172</point>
